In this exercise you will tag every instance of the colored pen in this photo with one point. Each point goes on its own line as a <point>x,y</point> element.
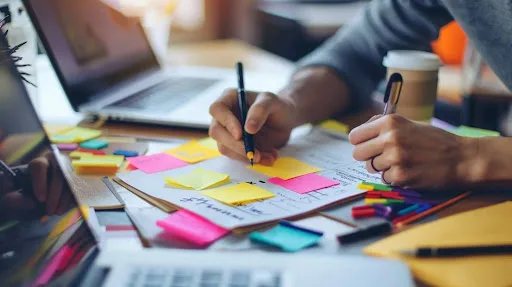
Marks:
<point>242,104</point>
<point>458,251</point>
<point>392,95</point>
<point>365,233</point>
<point>18,177</point>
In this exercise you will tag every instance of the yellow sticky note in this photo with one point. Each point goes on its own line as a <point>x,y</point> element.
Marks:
<point>93,170</point>
<point>79,154</point>
<point>198,179</point>
<point>240,194</point>
<point>286,168</point>
<point>209,142</point>
<point>99,161</point>
<point>119,139</point>
<point>365,187</point>
<point>76,135</point>
<point>193,152</point>
<point>335,126</point>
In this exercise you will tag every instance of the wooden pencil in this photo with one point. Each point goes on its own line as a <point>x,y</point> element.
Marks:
<point>432,210</point>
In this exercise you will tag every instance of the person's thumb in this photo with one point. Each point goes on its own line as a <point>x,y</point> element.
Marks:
<point>259,112</point>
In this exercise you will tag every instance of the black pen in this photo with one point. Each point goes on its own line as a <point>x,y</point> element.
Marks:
<point>242,103</point>
<point>458,251</point>
<point>365,233</point>
<point>392,95</point>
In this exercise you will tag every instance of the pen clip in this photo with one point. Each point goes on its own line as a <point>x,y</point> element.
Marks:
<point>392,94</point>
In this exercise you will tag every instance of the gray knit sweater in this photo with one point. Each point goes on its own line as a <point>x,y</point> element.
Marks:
<point>356,51</point>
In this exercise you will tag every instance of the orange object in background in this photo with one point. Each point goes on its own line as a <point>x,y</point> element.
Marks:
<point>451,44</point>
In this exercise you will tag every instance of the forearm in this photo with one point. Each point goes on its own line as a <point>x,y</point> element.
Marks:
<point>491,164</point>
<point>316,93</point>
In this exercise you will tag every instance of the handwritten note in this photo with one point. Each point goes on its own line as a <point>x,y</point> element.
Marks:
<point>287,238</point>
<point>198,179</point>
<point>209,143</point>
<point>286,168</point>
<point>76,135</point>
<point>156,163</point>
<point>94,144</point>
<point>239,194</point>
<point>192,228</point>
<point>193,152</point>
<point>304,184</point>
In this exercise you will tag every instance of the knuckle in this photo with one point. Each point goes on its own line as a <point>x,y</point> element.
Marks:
<point>213,132</point>
<point>400,176</point>
<point>397,156</point>
<point>229,92</point>
<point>223,149</point>
<point>214,108</point>
<point>394,138</point>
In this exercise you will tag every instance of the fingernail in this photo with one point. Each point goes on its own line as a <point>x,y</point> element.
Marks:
<point>257,156</point>
<point>252,125</point>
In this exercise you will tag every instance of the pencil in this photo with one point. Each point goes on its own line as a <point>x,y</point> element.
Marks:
<point>432,210</point>
<point>242,103</point>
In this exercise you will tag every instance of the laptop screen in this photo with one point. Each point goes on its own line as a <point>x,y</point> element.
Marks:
<point>92,46</point>
<point>35,231</point>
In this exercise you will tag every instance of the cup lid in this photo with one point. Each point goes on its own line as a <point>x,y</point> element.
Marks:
<point>412,60</point>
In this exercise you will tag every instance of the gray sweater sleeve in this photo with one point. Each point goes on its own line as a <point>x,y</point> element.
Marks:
<point>355,53</point>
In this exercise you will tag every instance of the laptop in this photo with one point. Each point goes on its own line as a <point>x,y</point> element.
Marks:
<point>107,67</point>
<point>26,259</point>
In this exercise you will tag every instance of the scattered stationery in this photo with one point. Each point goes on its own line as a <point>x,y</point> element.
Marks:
<point>94,144</point>
<point>304,184</point>
<point>75,135</point>
<point>460,251</point>
<point>111,139</point>
<point>191,227</point>
<point>209,143</point>
<point>481,227</point>
<point>50,269</point>
<point>243,108</point>
<point>67,147</point>
<point>365,233</point>
<point>286,168</point>
<point>474,132</point>
<point>92,151</point>
<point>198,179</point>
<point>334,126</point>
<point>156,163</point>
<point>239,194</point>
<point>99,161</point>
<point>193,152</point>
<point>288,237</point>
<point>126,153</point>
<point>79,154</point>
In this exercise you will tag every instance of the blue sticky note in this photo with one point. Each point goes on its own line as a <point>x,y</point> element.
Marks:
<point>94,144</point>
<point>126,153</point>
<point>287,237</point>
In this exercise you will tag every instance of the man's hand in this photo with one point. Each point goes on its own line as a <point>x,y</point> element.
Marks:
<point>270,118</point>
<point>413,155</point>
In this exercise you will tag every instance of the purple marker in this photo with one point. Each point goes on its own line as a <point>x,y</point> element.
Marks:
<point>67,147</point>
<point>421,201</point>
<point>406,192</point>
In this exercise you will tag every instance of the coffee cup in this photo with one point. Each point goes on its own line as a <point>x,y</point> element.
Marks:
<point>419,71</point>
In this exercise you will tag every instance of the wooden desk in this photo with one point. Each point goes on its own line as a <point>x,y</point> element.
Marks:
<point>224,54</point>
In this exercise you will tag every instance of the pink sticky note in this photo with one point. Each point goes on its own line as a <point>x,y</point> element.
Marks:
<point>304,184</point>
<point>67,147</point>
<point>52,266</point>
<point>188,226</point>
<point>156,163</point>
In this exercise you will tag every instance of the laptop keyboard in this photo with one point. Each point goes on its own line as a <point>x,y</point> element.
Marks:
<point>181,277</point>
<point>172,93</point>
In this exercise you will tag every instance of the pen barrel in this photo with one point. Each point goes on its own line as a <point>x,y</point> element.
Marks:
<point>463,251</point>
<point>248,142</point>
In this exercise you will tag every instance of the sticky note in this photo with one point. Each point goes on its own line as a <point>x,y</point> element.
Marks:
<point>126,153</point>
<point>335,126</point>
<point>94,144</point>
<point>119,139</point>
<point>67,147</point>
<point>92,151</point>
<point>304,184</point>
<point>76,135</point>
<point>99,161</point>
<point>193,152</point>
<point>79,154</point>
<point>239,194</point>
<point>198,179</point>
<point>96,170</point>
<point>378,186</point>
<point>475,132</point>
<point>286,168</point>
<point>192,228</point>
<point>209,143</point>
<point>287,237</point>
<point>156,162</point>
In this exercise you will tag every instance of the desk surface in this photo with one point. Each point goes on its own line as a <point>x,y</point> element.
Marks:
<point>216,54</point>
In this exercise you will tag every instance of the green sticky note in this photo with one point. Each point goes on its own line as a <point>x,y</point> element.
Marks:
<point>378,186</point>
<point>465,131</point>
<point>94,144</point>
<point>287,238</point>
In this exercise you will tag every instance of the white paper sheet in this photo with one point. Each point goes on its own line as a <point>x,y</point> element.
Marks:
<point>332,154</point>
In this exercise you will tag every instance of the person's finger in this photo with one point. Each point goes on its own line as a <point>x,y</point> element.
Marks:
<point>64,202</point>
<point>38,169</point>
<point>368,149</point>
<point>222,112</point>
<point>263,106</point>
<point>224,138</point>
<point>230,153</point>
<point>371,129</point>
<point>374,118</point>
<point>267,159</point>
<point>378,164</point>
<point>54,190</point>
